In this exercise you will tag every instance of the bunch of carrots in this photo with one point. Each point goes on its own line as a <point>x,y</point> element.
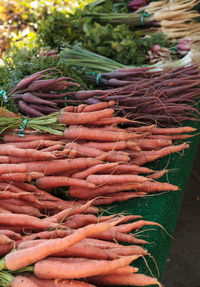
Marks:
<point>39,94</point>
<point>164,97</point>
<point>71,245</point>
<point>97,161</point>
<point>93,157</point>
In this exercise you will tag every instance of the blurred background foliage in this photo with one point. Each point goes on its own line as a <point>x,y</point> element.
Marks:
<point>19,19</point>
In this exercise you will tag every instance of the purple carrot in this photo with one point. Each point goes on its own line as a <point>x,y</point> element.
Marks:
<point>52,96</point>
<point>28,80</point>
<point>30,98</point>
<point>118,83</point>
<point>91,101</point>
<point>28,110</point>
<point>83,95</point>
<point>44,109</point>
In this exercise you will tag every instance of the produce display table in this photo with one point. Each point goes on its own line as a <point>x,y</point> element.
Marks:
<point>164,207</point>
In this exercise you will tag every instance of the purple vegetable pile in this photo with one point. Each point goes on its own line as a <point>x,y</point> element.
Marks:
<point>38,94</point>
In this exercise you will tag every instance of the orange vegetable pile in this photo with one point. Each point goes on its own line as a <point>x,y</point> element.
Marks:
<point>98,161</point>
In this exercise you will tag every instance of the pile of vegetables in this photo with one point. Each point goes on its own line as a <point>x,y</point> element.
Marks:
<point>78,124</point>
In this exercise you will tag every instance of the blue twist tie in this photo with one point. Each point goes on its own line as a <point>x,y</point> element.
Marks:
<point>22,127</point>
<point>98,78</point>
<point>4,96</point>
<point>144,15</point>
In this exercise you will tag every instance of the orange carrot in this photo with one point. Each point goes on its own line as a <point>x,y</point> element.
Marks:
<point>24,220</point>
<point>99,106</point>
<point>23,258</point>
<point>58,166</point>
<point>4,159</point>
<point>18,152</point>
<point>46,182</point>
<point>128,279</point>
<point>84,150</point>
<point>129,167</point>
<point>11,234</point>
<point>110,121</point>
<point>53,148</point>
<point>37,144</point>
<point>111,235</point>
<point>16,177</point>
<point>156,186</point>
<point>129,250</point>
<point>158,174</point>
<point>70,118</point>
<point>86,193</point>
<point>108,146</point>
<point>4,239</point>
<point>28,138</point>
<point>7,168</point>
<point>23,210</point>
<point>21,279</point>
<point>118,197</point>
<point>71,268</point>
<point>80,132</point>
<point>3,210</point>
<point>128,227</point>
<point>94,169</point>
<point>177,130</point>
<point>99,179</point>
<point>150,144</point>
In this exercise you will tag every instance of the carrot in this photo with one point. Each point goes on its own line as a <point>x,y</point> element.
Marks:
<point>49,283</point>
<point>13,138</point>
<point>83,150</point>
<point>4,159</point>
<point>129,167</point>
<point>8,194</point>
<point>94,169</point>
<point>99,179</point>
<point>77,250</point>
<point>156,186</point>
<point>110,121</point>
<point>80,220</point>
<point>23,281</point>
<point>7,168</point>
<point>53,148</point>
<point>4,239</point>
<point>72,268</point>
<point>119,237</point>
<point>46,182</point>
<point>58,166</point>
<point>150,144</point>
<point>80,132</point>
<point>158,174</point>
<point>32,153</point>
<point>108,146</point>
<point>23,258</point>
<point>16,177</point>
<point>128,227</point>
<point>86,193</point>
<point>58,233</point>
<point>117,197</point>
<point>177,130</point>
<point>99,106</point>
<point>2,210</point>
<point>128,279</point>
<point>24,209</point>
<point>24,220</point>
<point>36,144</point>
<point>69,212</point>
<point>129,250</point>
<point>70,118</point>
<point>11,234</point>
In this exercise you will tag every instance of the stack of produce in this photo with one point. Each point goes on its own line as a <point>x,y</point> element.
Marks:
<point>72,245</point>
<point>93,157</point>
<point>38,94</point>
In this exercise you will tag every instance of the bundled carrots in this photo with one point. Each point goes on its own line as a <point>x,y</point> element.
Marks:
<point>89,243</point>
<point>94,157</point>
